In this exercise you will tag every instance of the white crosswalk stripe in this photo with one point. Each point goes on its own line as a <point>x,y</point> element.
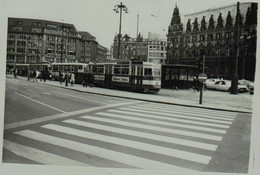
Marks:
<point>187,122</point>
<point>101,152</point>
<point>133,144</point>
<point>139,135</point>
<point>190,115</point>
<point>145,135</point>
<point>223,114</point>
<point>39,156</point>
<point>162,129</point>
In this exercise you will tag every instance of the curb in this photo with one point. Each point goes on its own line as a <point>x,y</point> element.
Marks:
<point>161,102</point>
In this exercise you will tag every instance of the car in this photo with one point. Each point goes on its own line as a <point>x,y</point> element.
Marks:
<point>225,85</point>
<point>209,82</point>
<point>251,89</point>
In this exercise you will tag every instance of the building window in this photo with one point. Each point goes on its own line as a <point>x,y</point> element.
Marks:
<point>18,22</point>
<point>16,28</point>
<point>210,36</point>
<point>38,30</point>
<point>202,38</point>
<point>36,23</point>
<point>218,36</point>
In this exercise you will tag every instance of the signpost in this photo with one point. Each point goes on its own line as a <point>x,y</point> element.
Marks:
<point>202,78</point>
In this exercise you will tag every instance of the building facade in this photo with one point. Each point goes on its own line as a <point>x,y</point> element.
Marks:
<point>156,48</point>
<point>37,41</point>
<point>152,49</point>
<point>213,33</point>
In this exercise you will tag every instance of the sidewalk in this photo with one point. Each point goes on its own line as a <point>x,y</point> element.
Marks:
<point>211,99</point>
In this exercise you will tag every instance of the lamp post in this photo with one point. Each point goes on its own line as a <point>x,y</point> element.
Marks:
<point>124,8</point>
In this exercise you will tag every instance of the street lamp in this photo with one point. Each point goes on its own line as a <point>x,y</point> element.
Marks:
<point>124,8</point>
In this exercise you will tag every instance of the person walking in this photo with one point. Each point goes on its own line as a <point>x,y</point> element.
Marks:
<point>28,75</point>
<point>60,77</point>
<point>72,79</point>
<point>34,76</point>
<point>66,79</point>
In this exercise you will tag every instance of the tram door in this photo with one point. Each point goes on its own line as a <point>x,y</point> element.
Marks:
<point>108,76</point>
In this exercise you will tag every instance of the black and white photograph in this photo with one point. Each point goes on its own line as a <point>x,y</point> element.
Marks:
<point>134,87</point>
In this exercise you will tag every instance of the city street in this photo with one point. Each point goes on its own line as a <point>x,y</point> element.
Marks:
<point>56,126</point>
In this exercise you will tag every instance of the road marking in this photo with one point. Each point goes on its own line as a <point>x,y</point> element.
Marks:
<point>207,115</point>
<point>81,98</point>
<point>40,156</point>
<point>132,160</point>
<point>46,93</point>
<point>31,91</point>
<point>40,102</point>
<point>185,155</point>
<point>62,115</point>
<point>226,114</point>
<point>152,136</point>
<point>172,119</point>
<point>163,129</point>
<point>184,116</point>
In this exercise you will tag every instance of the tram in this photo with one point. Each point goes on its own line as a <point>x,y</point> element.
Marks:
<point>127,74</point>
<point>77,68</point>
<point>22,68</point>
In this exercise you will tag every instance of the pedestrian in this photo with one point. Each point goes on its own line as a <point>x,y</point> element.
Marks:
<point>34,76</point>
<point>66,79</point>
<point>72,79</point>
<point>85,80</point>
<point>60,77</point>
<point>50,76</point>
<point>28,75</point>
<point>15,73</point>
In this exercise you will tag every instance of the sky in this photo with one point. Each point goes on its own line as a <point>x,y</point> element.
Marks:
<point>98,18</point>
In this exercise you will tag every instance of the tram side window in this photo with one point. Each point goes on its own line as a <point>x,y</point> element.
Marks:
<point>117,70</point>
<point>100,69</point>
<point>139,71</point>
<point>94,69</point>
<point>125,70</point>
<point>55,68</point>
<point>148,71</point>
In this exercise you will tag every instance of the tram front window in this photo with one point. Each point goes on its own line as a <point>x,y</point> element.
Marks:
<point>148,71</point>
<point>157,72</point>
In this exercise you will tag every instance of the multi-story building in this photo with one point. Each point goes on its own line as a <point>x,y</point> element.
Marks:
<point>130,48</point>
<point>37,41</point>
<point>156,48</point>
<point>102,52</point>
<point>213,33</point>
<point>152,49</point>
<point>88,47</point>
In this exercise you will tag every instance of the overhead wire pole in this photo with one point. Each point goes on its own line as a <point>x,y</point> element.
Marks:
<point>234,82</point>
<point>124,8</point>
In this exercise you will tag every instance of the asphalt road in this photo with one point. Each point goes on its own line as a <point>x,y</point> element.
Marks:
<point>55,126</point>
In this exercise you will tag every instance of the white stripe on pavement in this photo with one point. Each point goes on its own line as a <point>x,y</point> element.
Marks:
<point>172,119</point>
<point>39,156</point>
<point>97,151</point>
<point>226,114</point>
<point>168,113</point>
<point>156,128</point>
<point>40,102</point>
<point>156,137</point>
<point>185,155</point>
<point>184,112</point>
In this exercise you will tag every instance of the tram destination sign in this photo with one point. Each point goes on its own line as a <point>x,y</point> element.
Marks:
<point>202,77</point>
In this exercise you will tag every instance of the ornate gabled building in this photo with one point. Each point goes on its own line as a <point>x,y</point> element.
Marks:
<point>213,33</point>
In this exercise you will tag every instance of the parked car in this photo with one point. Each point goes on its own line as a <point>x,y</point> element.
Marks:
<point>210,81</point>
<point>225,85</point>
<point>251,89</point>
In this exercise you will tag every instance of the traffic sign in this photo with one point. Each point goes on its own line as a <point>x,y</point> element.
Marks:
<point>202,77</point>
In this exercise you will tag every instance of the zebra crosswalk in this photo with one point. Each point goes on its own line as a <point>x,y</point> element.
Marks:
<point>142,135</point>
